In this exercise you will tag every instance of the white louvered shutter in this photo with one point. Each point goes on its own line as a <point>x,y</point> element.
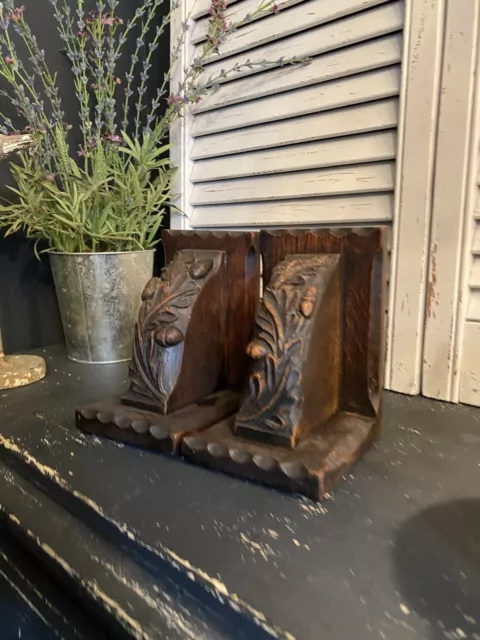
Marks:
<point>300,145</point>
<point>308,144</point>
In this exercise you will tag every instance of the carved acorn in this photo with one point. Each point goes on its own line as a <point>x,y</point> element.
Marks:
<point>168,336</point>
<point>307,304</point>
<point>199,270</point>
<point>150,289</point>
<point>257,350</point>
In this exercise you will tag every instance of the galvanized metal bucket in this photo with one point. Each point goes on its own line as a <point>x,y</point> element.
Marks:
<point>99,295</point>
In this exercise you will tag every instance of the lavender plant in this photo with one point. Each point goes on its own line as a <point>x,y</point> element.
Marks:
<point>109,194</point>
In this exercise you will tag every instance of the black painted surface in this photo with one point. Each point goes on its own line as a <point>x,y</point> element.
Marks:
<point>395,552</point>
<point>32,606</point>
<point>123,597</point>
<point>17,616</point>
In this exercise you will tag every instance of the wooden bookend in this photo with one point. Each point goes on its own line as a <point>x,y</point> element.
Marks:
<point>295,374</point>
<point>182,377</point>
<point>313,400</point>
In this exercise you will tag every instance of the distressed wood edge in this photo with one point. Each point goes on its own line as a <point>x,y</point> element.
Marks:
<point>268,468</point>
<point>180,138</point>
<point>404,347</point>
<point>57,487</point>
<point>449,217</point>
<point>464,329</point>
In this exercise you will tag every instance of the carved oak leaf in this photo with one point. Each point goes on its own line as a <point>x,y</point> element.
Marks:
<point>167,317</point>
<point>182,302</point>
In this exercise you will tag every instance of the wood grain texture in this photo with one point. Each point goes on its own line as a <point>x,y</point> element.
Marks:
<point>412,218</point>
<point>449,200</point>
<point>112,419</point>
<point>295,353</point>
<point>316,44</point>
<point>289,22</point>
<point>357,59</point>
<point>307,416</point>
<point>364,281</point>
<point>179,337</point>
<point>374,116</point>
<point>372,147</point>
<point>190,342</point>
<point>352,179</point>
<point>312,469</point>
<point>242,277</point>
<point>374,85</point>
<point>368,208</point>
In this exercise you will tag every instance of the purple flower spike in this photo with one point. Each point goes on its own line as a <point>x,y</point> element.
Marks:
<point>17,14</point>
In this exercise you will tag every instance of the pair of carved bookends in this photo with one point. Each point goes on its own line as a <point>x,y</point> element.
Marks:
<point>285,390</point>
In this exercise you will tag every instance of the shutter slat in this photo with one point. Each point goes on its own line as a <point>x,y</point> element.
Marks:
<point>360,58</point>
<point>312,144</point>
<point>475,274</point>
<point>299,184</point>
<point>358,209</point>
<point>202,7</point>
<point>330,124</point>
<point>473,312</point>
<point>374,85</point>
<point>327,38</point>
<point>235,14</point>
<point>476,240</point>
<point>290,22</point>
<point>373,147</point>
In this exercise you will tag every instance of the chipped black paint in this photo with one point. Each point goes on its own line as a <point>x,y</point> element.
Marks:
<point>213,539</point>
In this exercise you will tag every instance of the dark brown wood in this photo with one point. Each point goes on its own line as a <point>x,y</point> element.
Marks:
<point>313,401</point>
<point>112,419</point>
<point>179,336</point>
<point>363,252</point>
<point>296,352</point>
<point>311,469</point>
<point>194,321</point>
<point>242,282</point>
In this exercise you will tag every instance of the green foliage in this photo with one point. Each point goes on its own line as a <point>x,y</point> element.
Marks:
<point>117,205</point>
<point>113,195</point>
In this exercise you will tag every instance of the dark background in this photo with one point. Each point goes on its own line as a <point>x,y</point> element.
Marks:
<point>28,309</point>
